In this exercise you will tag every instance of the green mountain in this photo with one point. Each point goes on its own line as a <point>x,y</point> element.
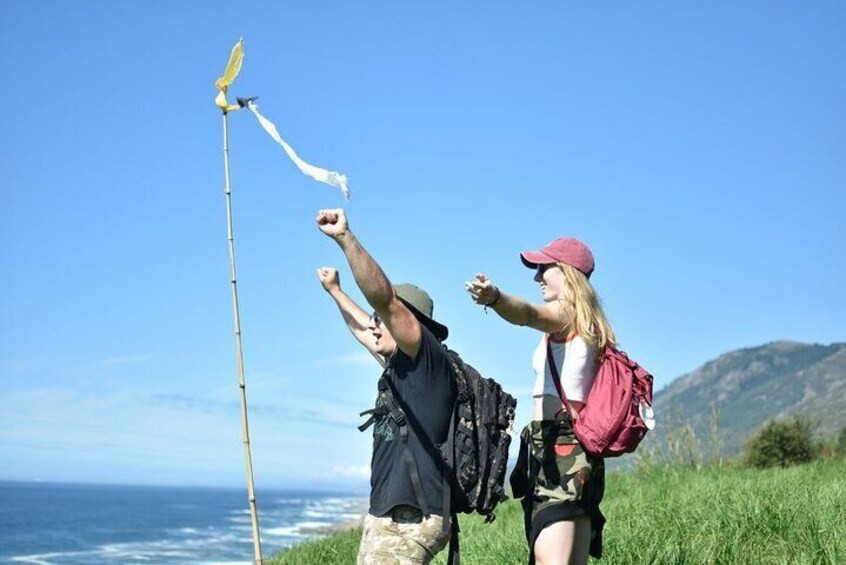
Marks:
<point>750,386</point>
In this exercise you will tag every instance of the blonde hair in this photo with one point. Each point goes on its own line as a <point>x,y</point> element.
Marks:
<point>586,315</point>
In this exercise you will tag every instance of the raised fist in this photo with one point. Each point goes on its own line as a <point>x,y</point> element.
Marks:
<point>329,278</point>
<point>332,222</point>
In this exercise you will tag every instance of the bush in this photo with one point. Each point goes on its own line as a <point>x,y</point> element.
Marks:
<point>782,443</point>
<point>841,442</point>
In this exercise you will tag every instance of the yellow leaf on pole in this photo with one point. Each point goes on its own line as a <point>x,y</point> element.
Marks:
<point>233,67</point>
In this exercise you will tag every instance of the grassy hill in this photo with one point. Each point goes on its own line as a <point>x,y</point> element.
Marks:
<point>672,515</point>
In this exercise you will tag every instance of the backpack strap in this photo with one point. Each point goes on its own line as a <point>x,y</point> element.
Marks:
<point>461,389</point>
<point>449,464</point>
<point>556,378</point>
<point>381,409</point>
<point>462,392</point>
<point>375,414</point>
<point>454,547</point>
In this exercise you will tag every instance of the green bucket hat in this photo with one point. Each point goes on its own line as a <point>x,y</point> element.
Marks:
<point>420,303</point>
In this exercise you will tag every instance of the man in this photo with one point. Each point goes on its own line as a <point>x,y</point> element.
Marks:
<point>405,522</point>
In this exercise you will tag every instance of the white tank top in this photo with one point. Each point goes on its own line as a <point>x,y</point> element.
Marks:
<point>576,364</point>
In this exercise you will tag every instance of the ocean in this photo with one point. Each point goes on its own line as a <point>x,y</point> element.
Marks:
<point>61,524</point>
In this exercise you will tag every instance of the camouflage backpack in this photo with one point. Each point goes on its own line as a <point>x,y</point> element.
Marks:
<point>476,451</point>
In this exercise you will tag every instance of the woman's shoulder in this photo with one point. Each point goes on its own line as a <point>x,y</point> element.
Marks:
<point>579,346</point>
<point>562,338</point>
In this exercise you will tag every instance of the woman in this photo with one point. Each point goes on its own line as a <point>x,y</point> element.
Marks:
<point>560,483</point>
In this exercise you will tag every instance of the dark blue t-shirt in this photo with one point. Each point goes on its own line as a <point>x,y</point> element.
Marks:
<point>424,388</point>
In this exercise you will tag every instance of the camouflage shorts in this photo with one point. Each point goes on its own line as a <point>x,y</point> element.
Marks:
<point>558,480</point>
<point>403,537</point>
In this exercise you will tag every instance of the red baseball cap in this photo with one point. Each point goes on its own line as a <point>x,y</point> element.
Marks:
<point>563,250</point>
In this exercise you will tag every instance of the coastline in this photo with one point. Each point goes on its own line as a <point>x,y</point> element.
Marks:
<point>325,530</point>
<point>114,524</point>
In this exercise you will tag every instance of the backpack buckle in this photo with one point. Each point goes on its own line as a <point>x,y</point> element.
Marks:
<point>399,418</point>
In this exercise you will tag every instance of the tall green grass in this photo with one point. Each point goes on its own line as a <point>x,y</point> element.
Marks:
<point>729,515</point>
<point>672,515</point>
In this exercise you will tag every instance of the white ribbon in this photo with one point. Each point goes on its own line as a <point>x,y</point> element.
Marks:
<point>333,178</point>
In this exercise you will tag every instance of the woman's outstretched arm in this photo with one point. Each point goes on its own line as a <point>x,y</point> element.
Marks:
<point>550,317</point>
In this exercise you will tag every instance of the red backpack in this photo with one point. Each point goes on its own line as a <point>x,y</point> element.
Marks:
<point>618,409</point>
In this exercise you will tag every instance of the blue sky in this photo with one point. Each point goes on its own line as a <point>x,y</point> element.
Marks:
<point>698,149</point>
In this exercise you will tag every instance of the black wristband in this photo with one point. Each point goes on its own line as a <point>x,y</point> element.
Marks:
<point>495,300</point>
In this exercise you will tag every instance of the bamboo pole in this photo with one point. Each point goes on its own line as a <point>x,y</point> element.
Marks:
<point>245,428</point>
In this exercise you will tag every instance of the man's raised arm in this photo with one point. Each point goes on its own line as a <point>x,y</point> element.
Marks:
<point>373,282</point>
<point>355,317</point>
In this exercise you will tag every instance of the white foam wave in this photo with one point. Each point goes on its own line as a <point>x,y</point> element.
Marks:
<point>290,501</point>
<point>284,531</point>
<point>157,552</point>
<point>312,525</point>
<point>36,559</point>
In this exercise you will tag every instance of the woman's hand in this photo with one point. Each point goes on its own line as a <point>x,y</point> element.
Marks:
<point>482,290</point>
<point>329,278</point>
